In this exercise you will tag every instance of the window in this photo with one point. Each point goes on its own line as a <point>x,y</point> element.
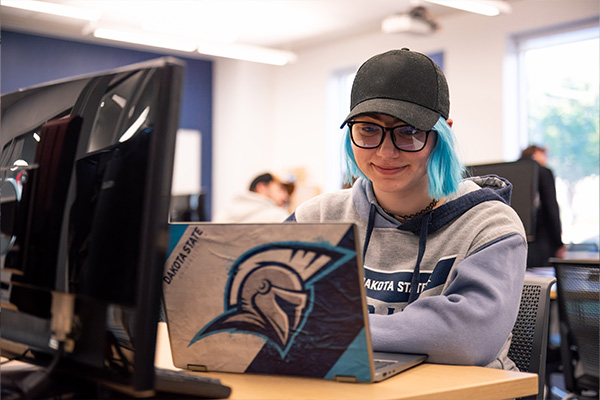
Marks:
<point>559,110</point>
<point>338,106</point>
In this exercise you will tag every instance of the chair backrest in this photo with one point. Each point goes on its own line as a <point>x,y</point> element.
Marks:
<point>578,286</point>
<point>530,332</point>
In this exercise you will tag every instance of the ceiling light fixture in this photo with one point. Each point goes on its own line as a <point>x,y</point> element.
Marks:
<point>258,54</point>
<point>54,9</point>
<point>145,39</point>
<point>485,7</point>
<point>197,31</point>
<point>248,53</point>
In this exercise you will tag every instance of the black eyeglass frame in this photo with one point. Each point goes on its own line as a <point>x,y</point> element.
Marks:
<point>384,129</point>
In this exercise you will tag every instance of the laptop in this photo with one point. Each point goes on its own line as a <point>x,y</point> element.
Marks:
<point>282,299</point>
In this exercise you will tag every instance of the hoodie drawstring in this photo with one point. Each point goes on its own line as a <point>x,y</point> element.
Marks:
<point>370,225</point>
<point>414,284</point>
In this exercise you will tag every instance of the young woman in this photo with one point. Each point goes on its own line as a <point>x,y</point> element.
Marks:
<point>444,257</point>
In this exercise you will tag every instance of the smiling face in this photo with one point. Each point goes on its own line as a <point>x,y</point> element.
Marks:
<point>395,174</point>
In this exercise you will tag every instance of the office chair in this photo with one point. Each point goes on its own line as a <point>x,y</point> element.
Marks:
<point>578,296</point>
<point>530,332</point>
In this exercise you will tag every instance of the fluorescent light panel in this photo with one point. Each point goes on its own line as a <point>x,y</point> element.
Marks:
<point>489,8</point>
<point>227,50</point>
<point>54,9</point>
<point>202,32</point>
<point>145,39</point>
<point>258,54</point>
<point>248,53</point>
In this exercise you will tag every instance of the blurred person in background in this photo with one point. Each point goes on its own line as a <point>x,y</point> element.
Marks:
<point>266,200</point>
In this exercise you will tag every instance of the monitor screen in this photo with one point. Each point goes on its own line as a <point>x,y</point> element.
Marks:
<point>86,169</point>
<point>523,175</point>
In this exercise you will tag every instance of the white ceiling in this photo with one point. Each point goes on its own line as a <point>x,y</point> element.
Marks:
<point>282,24</point>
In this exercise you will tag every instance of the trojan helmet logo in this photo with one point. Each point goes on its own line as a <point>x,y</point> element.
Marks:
<point>270,290</point>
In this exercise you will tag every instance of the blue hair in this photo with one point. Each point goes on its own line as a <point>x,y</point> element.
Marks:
<point>444,170</point>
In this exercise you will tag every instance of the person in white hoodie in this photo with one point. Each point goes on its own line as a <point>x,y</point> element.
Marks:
<point>265,201</point>
<point>444,256</point>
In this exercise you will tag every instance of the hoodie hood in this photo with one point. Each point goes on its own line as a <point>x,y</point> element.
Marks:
<point>472,191</point>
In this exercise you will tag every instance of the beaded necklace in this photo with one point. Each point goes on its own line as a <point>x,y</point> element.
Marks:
<point>404,218</point>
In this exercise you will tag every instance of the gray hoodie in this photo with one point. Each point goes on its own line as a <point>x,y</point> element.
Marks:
<point>446,283</point>
<point>251,207</point>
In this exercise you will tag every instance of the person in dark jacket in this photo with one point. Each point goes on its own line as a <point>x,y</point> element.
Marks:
<point>548,231</point>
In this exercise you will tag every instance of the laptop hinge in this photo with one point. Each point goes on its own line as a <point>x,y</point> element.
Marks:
<point>345,378</point>
<point>197,368</point>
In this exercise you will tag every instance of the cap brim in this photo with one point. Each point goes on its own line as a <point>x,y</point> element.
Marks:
<point>413,114</point>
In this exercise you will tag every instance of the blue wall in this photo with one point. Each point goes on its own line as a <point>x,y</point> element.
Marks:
<point>28,60</point>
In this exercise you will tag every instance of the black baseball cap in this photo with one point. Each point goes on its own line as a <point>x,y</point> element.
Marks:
<point>404,84</point>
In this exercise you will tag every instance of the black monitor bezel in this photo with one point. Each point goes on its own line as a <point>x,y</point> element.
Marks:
<point>33,331</point>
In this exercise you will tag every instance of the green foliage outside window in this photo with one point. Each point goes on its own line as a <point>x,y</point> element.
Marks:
<point>569,129</point>
<point>563,114</point>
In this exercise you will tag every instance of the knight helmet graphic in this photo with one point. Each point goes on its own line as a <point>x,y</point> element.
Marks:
<point>270,290</point>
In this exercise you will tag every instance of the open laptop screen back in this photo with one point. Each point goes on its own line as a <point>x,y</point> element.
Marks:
<point>284,299</point>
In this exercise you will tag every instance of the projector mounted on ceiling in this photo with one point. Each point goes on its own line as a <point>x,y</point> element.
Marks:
<point>418,20</point>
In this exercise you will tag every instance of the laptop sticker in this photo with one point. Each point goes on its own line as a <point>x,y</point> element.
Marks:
<point>290,307</point>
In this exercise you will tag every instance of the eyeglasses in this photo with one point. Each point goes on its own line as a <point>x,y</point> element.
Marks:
<point>368,135</point>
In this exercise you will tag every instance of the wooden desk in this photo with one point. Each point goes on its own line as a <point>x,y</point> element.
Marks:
<point>426,381</point>
<point>569,257</point>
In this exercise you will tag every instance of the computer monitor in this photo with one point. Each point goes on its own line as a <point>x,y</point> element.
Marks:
<point>523,175</point>
<point>187,208</point>
<point>86,169</point>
